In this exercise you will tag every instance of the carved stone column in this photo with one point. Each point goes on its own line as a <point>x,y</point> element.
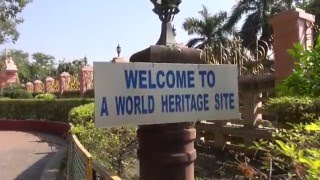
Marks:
<point>49,84</point>
<point>292,26</point>
<point>85,79</point>
<point>64,80</point>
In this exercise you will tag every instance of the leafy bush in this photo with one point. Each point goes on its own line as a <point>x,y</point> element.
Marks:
<point>8,89</point>
<point>305,80</point>
<point>34,94</point>
<point>17,94</point>
<point>46,96</point>
<point>293,152</point>
<point>56,110</point>
<point>81,114</point>
<point>12,87</point>
<point>294,109</point>
<point>115,148</point>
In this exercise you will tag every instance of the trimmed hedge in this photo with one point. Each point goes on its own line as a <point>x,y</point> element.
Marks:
<point>294,109</point>
<point>54,110</point>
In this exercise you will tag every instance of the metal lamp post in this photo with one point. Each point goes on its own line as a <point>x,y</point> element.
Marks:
<point>118,50</point>
<point>166,151</point>
<point>85,61</point>
<point>166,10</point>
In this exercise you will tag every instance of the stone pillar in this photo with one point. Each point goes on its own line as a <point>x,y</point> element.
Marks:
<point>12,77</point>
<point>11,71</point>
<point>85,79</point>
<point>38,86</point>
<point>291,26</point>
<point>251,105</point>
<point>250,89</point>
<point>166,151</point>
<point>64,79</point>
<point>49,84</point>
<point>29,87</point>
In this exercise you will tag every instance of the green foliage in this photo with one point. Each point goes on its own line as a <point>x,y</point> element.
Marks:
<point>208,28</point>
<point>16,92</point>
<point>294,109</point>
<point>81,114</point>
<point>12,87</point>
<point>257,15</point>
<point>10,9</point>
<point>46,96</point>
<point>115,148</point>
<point>305,80</point>
<point>55,110</point>
<point>57,94</point>
<point>73,67</point>
<point>43,60</point>
<point>295,151</point>
<point>43,66</point>
<point>20,94</point>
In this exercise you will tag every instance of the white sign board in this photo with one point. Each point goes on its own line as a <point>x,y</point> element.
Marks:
<point>149,93</point>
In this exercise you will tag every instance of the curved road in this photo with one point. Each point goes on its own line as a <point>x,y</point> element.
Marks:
<point>23,155</point>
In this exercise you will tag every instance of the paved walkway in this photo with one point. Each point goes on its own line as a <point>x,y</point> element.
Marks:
<point>23,155</point>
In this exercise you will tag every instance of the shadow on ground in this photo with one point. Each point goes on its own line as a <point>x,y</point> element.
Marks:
<point>34,171</point>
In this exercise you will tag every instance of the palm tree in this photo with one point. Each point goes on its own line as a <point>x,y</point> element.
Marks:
<point>258,14</point>
<point>209,28</point>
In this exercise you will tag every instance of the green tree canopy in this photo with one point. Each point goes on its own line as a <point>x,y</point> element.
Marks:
<point>42,59</point>
<point>209,28</point>
<point>73,67</point>
<point>9,10</point>
<point>43,66</point>
<point>258,13</point>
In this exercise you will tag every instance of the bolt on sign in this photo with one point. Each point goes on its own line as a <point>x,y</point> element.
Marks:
<point>151,93</point>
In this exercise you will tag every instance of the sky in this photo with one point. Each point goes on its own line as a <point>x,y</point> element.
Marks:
<point>70,29</point>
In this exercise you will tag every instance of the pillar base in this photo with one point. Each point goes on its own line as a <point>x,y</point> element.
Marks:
<point>166,152</point>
